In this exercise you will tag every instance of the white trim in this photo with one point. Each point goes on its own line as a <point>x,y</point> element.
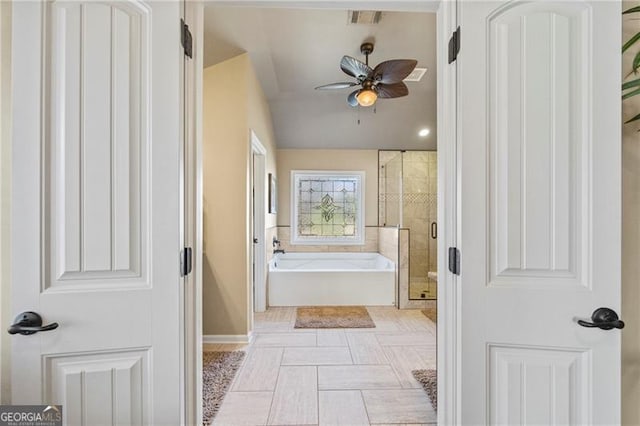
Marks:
<point>227,338</point>
<point>259,252</point>
<point>192,93</point>
<point>382,5</point>
<point>449,295</point>
<point>256,145</point>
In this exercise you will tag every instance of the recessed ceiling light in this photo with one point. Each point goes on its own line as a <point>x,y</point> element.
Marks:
<point>423,132</point>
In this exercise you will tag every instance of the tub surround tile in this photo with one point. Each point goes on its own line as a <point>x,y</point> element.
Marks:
<point>406,406</point>
<point>270,233</point>
<point>342,408</point>
<point>357,377</point>
<point>370,243</point>
<point>295,401</point>
<point>388,247</point>
<point>317,356</point>
<point>345,249</point>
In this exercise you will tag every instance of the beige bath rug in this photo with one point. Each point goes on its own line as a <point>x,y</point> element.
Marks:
<point>218,370</point>
<point>431,313</point>
<point>429,381</point>
<point>333,317</point>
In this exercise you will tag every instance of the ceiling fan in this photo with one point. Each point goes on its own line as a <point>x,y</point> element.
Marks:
<point>383,81</point>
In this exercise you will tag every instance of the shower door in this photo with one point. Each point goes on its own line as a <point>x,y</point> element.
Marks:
<point>408,200</point>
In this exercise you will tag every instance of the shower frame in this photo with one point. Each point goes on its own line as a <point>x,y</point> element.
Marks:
<point>401,226</point>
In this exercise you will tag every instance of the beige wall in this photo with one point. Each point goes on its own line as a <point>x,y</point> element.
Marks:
<point>5,170</point>
<point>328,159</point>
<point>233,103</point>
<point>630,239</point>
<point>260,122</point>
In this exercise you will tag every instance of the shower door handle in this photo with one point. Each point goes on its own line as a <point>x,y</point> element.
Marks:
<point>434,230</point>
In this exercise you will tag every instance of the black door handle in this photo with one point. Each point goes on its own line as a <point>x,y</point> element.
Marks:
<point>434,230</point>
<point>603,318</point>
<point>29,323</point>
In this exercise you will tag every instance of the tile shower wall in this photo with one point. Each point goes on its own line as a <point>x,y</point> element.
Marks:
<point>388,247</point>
<point>390,188</point>
<point>419,205</point>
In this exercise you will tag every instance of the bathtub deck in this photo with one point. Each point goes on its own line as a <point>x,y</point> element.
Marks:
<point>338,376</point>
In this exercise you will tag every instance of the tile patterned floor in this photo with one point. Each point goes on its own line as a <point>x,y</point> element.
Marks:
<point>332,376</point>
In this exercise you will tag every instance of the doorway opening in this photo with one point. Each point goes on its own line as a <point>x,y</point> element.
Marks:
<point>271,335</point>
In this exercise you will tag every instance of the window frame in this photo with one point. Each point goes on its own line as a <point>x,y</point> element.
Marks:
<point>359,239</point>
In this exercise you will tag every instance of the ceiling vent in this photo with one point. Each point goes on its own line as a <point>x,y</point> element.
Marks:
<point>416,74</point>
<point>366,17</point>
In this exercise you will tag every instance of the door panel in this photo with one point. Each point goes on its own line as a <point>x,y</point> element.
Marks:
<point>539,145</point>
<point>538,386</point>
<point>540,210</point>
<point>96,208</point>
<point>97,218</point>
<point>101,388</point>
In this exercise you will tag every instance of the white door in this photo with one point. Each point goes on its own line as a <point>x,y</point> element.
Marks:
<point>539,87</point>
<point>96,208</point>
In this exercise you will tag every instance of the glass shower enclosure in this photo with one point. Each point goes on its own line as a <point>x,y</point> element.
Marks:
<point>408,192</point>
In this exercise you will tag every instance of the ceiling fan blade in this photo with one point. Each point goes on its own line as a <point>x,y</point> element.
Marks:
<point>351,99</point>
<point>355,68</point>
<point>393,71</point>
<point>394,90</point>
<point>341,85</point>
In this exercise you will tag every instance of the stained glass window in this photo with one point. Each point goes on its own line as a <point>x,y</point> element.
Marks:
<point>327,208</point>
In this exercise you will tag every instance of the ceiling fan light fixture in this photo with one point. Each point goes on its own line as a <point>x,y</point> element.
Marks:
<point>367,97</point>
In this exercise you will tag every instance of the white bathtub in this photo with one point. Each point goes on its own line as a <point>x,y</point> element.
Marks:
<point>331,279</point>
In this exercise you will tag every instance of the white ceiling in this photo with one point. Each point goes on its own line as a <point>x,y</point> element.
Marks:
<point>295,50</point>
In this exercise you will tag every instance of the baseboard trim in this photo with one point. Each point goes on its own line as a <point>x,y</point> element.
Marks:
<point>227,338</point>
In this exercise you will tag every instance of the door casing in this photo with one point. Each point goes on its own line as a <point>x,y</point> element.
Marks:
<point>258,180</point>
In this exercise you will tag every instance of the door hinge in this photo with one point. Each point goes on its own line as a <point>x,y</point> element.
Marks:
<point>454,45</point>
<point>186,261</point>
<point>454,260</point>
<point>186,39</point>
